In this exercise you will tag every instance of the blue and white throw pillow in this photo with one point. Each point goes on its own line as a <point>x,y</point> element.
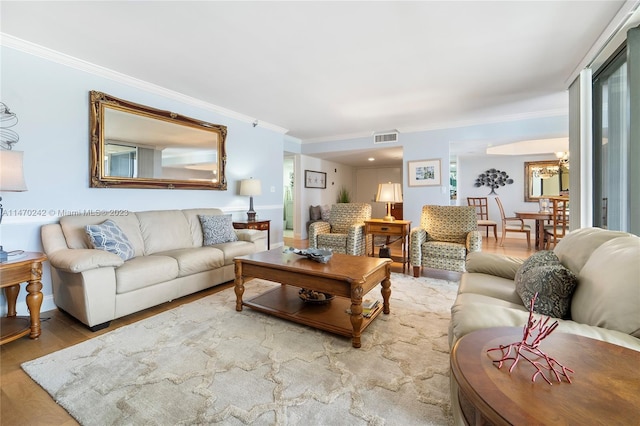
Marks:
<point>217,229</point>
<point>109,237</point>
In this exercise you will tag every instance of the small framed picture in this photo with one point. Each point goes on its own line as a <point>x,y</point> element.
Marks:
<point>315,179</point>
<point>424,173</point>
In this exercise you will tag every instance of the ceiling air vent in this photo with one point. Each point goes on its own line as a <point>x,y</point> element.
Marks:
<point>386,137</point>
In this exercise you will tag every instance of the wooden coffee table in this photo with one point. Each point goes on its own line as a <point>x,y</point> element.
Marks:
<point>604,388</point>
<point>347,277</point>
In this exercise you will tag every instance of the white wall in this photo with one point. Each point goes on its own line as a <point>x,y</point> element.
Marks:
<point>434,144</point>
<point>51,101</point>
<point>511,196</point>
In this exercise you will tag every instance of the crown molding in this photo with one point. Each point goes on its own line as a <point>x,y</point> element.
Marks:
<point>81,65</point>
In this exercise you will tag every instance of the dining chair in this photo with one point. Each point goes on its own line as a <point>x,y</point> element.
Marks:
<point>559,223</point>
<point>482,210</point>
<point>513,224</point>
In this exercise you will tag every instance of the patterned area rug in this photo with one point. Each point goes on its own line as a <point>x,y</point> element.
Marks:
<point>204,363</point>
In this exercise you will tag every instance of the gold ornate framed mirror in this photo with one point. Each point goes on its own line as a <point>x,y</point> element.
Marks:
<point>544,179</point>
<point>136,146</point>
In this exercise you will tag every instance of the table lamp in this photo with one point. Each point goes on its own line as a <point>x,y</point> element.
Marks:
<point>11,180</point>
<point>389,193</point>
<point>250,187</point>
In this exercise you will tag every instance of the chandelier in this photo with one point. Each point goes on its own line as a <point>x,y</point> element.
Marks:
<point>563,159</point>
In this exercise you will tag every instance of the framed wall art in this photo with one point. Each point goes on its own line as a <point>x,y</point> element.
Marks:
<point>425,173</point>
<point>315,179</point>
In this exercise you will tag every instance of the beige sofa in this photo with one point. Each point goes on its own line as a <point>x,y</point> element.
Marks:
<point>96,286</point>
<point>604,306</point>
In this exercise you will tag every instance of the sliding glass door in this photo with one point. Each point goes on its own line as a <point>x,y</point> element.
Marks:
<point>611,144</point>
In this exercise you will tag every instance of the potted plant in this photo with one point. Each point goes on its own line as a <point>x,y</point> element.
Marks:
<point>343,195</point>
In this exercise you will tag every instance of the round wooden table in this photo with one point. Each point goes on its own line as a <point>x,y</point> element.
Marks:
<point>605,387</point>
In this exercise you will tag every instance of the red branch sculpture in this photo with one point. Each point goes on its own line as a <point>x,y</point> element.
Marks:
<point>536,330</point>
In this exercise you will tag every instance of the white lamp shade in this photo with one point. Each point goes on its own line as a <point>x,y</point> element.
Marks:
<point>250,187</point>
<point>389,193</point>
<point>11,171</point>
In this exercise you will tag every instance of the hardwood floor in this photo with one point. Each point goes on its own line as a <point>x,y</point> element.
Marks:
<point>23,402</point>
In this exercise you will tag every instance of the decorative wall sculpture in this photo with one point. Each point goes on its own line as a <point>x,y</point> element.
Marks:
<point>493,178</point>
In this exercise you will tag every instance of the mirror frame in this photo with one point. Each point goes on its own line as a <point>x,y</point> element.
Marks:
<point>528,182</point>
<point>97,104</point>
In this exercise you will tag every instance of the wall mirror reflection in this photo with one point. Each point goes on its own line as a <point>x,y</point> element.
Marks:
<point>544,179</point>
<point>135,146</point>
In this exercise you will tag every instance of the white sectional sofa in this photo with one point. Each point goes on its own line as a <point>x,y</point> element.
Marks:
<point>170,261</point>
<point>605,304</point>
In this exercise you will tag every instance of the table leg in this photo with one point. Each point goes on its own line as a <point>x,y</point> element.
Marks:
<point>239,286</point>
<point>539,234</point>
<point>386,293</point>
<point>34,303</point>
<point>356,316</point>
<point>11,293</point>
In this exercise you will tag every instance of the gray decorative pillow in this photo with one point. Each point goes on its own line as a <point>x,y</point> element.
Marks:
<point>109,237</point>
<point>314,212</point>
<point>217,229</point>
<point>553,282</point>
<point>540,258</point>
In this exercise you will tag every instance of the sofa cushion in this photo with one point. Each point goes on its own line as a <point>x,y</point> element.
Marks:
<point>194,260</point>
<point>444,249</point>
<point>109,237</point>
<point>609,291</point>
<point>235,248</point>
<point>217,229</point>
<point>75,234</point>
<point>554,284</point>
<point>145,271</point>
<point>577,246</point>
<point>164,230</point>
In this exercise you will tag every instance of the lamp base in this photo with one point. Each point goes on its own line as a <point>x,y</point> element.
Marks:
<point>251,216</point>
<point>388,218</point>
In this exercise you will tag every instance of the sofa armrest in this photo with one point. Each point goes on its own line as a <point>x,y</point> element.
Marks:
<point>80,260</point>
<point>417,237</point>
<point>250,235</point>
<point>317,228</point>
<point>474,241</point>
<point>493,264</point>
<point>356,241</point>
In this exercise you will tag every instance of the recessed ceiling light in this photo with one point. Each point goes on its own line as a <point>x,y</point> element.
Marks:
<point>371,159</point>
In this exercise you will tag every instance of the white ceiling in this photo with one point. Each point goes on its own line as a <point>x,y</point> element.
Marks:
<point>332,70</point>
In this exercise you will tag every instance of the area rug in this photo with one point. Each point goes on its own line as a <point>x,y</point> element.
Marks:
<point>205,363</point>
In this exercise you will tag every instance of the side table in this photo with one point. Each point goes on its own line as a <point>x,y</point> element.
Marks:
<point>27,268</point>
<point>260,225</point>
<point>603,389</point>
<point>396,228</point>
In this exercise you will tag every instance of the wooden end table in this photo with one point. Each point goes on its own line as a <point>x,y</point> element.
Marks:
<point>26,268</point>
<point>396,228</point>
<point>603,389</point>
<point>260,225</point>
<point>347,277</point>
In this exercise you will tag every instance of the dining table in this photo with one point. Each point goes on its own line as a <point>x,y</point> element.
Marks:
<point>540,218</point>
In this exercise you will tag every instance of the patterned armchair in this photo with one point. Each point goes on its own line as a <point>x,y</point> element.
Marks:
<point>344,233</point>
<point>445,236</point>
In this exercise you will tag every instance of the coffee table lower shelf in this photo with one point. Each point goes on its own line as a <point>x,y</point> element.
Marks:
<point>283,302</point>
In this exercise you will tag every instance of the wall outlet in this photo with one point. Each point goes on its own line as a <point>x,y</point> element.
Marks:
<point>273,189</point>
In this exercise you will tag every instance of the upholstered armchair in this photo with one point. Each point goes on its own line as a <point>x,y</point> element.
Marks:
<point>344,232</point>
<point>445,236</point>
